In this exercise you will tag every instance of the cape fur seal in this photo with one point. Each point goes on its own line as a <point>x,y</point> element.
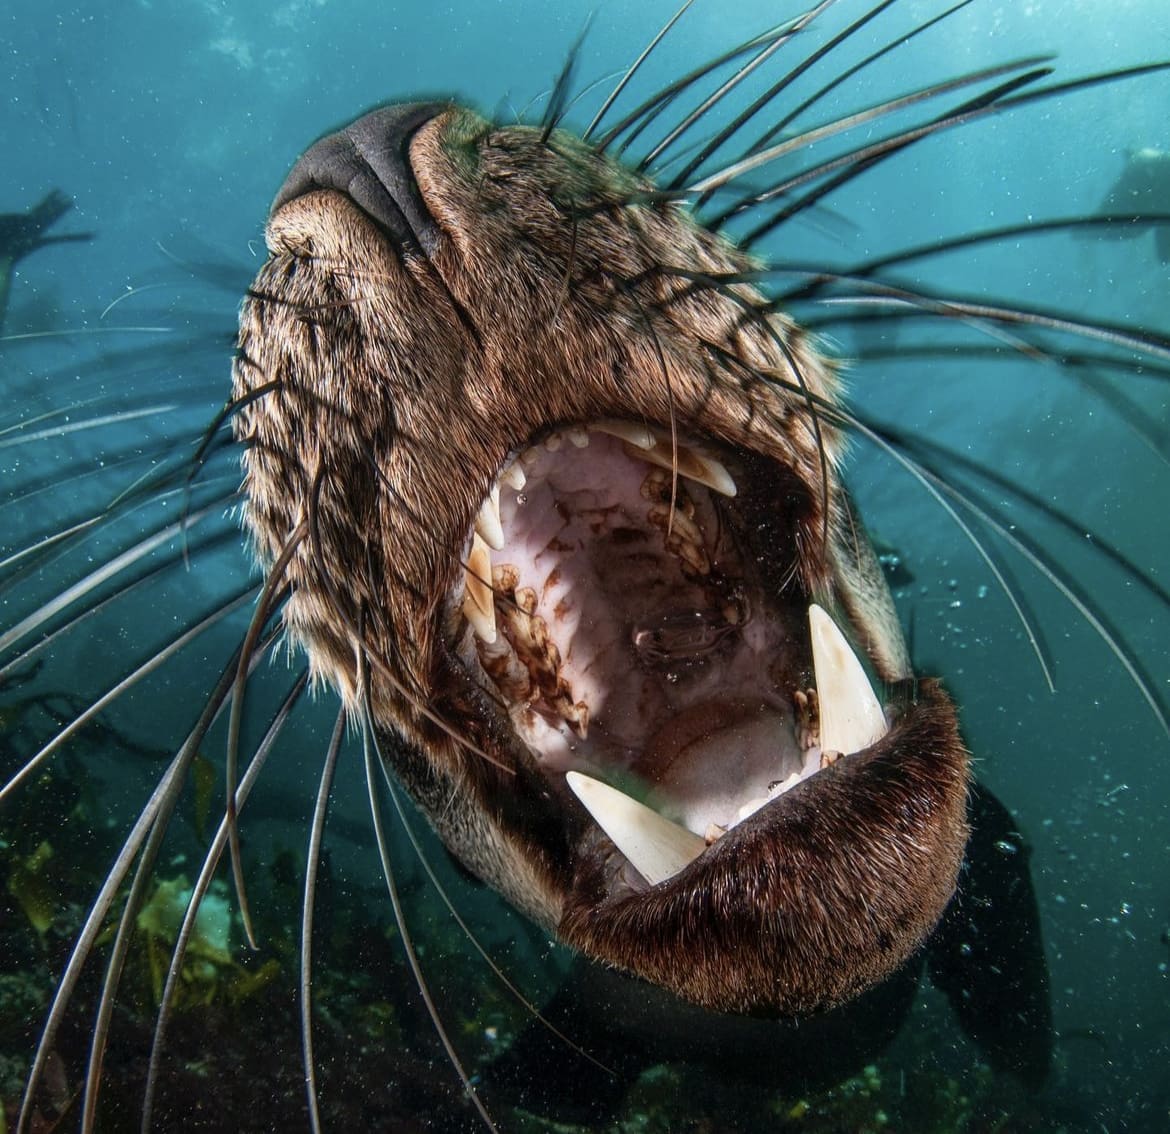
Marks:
<point>547,484</point>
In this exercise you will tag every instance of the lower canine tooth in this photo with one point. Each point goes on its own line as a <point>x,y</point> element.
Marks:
<point>851,716</point>
<point>657,848</point>
<point>479,606</point>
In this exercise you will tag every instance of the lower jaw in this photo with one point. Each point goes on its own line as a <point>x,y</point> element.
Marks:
<point>820,894</point>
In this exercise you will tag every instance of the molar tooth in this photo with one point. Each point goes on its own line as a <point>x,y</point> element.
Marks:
<point>640,436</point>
<point>578,436</point>
<point>479,606</point>
<point>851,716</point>
<point>487,522</point>
<point>656,847</point>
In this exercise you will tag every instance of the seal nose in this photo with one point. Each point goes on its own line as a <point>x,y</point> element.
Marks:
<point>368,161</point>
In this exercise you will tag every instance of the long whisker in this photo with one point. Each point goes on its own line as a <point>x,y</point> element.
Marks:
<point>474,941</point>
<point>770,95</point>
<point>632,70</point>
<point>731,84</point>
<point>316,833</point>
<point>369,745</point>
<point>641,116</point>
<point>559,99</point>
<point>760,158</point>
<point>45,641</point>
<point>199,891</point>
<point>275,586</point>
<point>158,807</point>
<point>856,163</point>
<point>89,582</point>
<point>849,72</point>
<point>31,766</point>
<point>58,431</point>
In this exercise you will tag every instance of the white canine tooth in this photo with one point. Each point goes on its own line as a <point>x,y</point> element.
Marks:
<point>691,463</point>
<point>487,523</point>
<point>479,607</point>
<point>629,431</point>
<point>513,476</point>
<point>717,477</point>
<point>851,716</point>
<point>657,848</point>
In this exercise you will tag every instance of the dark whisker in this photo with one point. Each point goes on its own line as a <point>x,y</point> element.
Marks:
<point>771,94</point>
<point>384,671</point>
<point>1001,98</point>
<point>890,106</point>
<point>558,100</point>
<point>632,70</point>
<point>646,112</point>
<point>847,74</point>
<point>731,84</point>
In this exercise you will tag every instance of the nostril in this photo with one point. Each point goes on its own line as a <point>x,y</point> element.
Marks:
<point>368,161</point>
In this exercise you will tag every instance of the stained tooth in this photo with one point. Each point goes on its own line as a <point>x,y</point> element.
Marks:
<point>851,716</point>
<point>478,606</point>
<point>629,431</point>
<point>553,442</point>
<point>716,476</point>
<point>657,847</point>
<point>487,523</point>
<point>692,464</point>
<point>513,476</point>
<point>578,437</point>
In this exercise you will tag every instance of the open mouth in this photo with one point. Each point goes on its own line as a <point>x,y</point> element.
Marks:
<point>633,604</point>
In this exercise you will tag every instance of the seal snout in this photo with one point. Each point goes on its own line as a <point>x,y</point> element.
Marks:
<point>369,162</point>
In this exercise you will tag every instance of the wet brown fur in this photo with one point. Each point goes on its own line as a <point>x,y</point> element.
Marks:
<point>561,292</point>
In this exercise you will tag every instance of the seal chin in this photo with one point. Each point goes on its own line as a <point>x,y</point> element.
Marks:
<point>578,512</point>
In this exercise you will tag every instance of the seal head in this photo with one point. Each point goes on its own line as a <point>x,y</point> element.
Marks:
<point>555,493</point>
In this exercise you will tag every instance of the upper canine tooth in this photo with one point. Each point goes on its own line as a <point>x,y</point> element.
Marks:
<point>513,476</point>
<point>479,606</point>
<point>487,522</point>
<point>640,436</point>
<point>690,463</point>
<point>851,716</point>
<point>657,848</point>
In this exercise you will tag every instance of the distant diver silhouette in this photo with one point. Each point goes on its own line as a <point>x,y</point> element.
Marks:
<point>1141,192</point>
<point>23,233</point>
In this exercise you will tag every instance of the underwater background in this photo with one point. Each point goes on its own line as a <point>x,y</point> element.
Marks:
<point>171,124</point>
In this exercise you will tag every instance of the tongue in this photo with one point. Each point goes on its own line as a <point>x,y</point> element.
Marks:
<point>710,759</point>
